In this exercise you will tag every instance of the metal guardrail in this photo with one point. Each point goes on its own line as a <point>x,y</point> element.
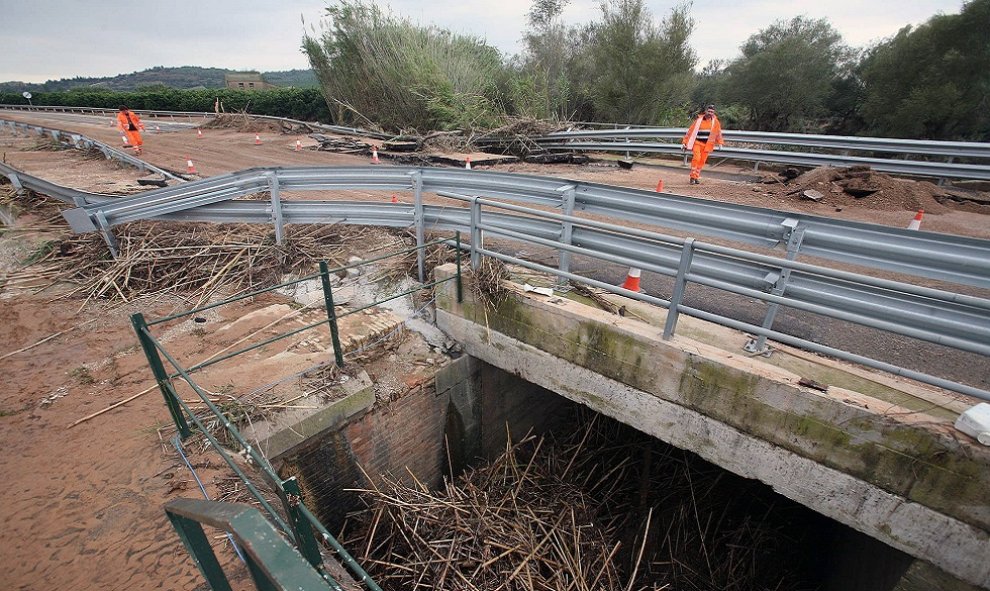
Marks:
<point>937,256</point>
<point>906,167</point>
<point>945,317</point>
<point>82,142</point>
<point>837,142</point>
<point>337,129</point>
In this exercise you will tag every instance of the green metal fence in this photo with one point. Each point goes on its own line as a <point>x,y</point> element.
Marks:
<point>299,525</point>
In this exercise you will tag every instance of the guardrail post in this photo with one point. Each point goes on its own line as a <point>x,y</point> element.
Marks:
<point>418,221</point>
<point>276,197</point>
<point>687,255</point>
<point>16,182</point>
<point>161,376</point>
<point>108,237</point>
<point>759,344</point>
<point>566,233</point>
<point>338,354</point>
<point>457,256</point>
<point>305,538</point>
<point>477,237</point>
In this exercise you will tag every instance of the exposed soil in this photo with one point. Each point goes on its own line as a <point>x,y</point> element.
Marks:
<point>85,502</point>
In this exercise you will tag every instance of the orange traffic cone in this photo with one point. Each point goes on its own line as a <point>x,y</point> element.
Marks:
<point>467,163</point>
<point>190,167</point>
<point>374,155</point>
<point>257,140</point>
<point>199,134</point>
<point>660,186</point>
<point>298,145</point>
<point>395,198</point>
<point>916,222</point>
<point>632,280</point>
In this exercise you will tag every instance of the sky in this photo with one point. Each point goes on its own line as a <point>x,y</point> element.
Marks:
<point>52,39</point>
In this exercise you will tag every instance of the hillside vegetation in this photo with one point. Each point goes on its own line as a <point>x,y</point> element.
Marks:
<point>182,77</point>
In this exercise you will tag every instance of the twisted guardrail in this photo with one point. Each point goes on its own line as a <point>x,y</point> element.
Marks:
<point>942,316</point>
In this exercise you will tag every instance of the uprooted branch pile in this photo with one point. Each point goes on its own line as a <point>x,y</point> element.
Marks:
<point>572,515</point>
<point>192,258</point>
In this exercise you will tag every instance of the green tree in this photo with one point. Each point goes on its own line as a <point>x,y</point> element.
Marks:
<point>540,86</point>
<point>933,81</point>
<point>639,71</point>
<point>786,74</point>
<point>376,68</point>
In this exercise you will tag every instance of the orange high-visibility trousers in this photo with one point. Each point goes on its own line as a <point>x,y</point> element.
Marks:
<point>698,158</point>
<point>134,138</point>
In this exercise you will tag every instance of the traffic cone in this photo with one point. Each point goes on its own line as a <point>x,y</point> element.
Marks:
<point>660,186</point>
<point>190,167</point>
<point>257,140</point>
<point>632,280</point>
<point>467,163</point>
<point>158,129</point>
<point>395,198</point>
<point>374,155</point>
<point>123,138</point>
<point>199,134</point>
<point>298,145</point>
<point>916,222</point>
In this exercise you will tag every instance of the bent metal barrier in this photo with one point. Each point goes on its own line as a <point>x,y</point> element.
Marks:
<point>942,316</point>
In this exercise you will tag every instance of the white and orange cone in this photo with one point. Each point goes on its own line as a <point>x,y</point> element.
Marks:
<point>158,129</point>
<point>632,280</point>
<point>916,222</point>
<point>298,146</point>
<point>190,167</point>
<point>199,134</point>
<point>374,155</point>
<point>395,198</point>
<point>257,140</point>
<point>467,163</point>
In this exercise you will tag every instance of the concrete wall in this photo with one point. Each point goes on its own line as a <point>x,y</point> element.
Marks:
<point>469,405</point>
<point>896,477</point>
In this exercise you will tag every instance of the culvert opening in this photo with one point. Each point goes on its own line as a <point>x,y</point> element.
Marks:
<point>576,501</point>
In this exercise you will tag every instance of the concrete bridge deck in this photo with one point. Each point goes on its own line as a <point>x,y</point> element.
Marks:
<point>876,453</point>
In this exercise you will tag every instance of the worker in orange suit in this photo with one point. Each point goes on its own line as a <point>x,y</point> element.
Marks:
<point>704,135</point>
<point>131,125</point>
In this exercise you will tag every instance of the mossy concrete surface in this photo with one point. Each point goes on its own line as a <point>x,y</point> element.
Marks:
<point>882,438</point>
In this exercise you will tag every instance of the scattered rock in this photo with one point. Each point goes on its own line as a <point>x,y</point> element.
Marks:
<point>812,195</point>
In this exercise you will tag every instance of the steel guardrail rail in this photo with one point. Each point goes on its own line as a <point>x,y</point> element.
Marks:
<point>953,149</point>
<point>337,129</point>
<point>936,256</point>
<point>952,319</point>
<point>905,167</point>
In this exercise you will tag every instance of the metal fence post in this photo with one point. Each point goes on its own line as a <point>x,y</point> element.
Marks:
<point>161,376</point>
<point>198,545</point>
<point>338,354</point>
<point>276,206</point>
<point>759,344</point>
<point>566,232</point>
<point>305,539</point>
<point>687,254</point>
<point>418,221</point>
<point>477,239</point>
<point>457,256</point>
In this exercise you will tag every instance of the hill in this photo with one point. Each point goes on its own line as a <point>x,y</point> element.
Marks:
<point>183,77</point>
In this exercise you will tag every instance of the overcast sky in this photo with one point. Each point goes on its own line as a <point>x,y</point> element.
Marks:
<point>51,39</point>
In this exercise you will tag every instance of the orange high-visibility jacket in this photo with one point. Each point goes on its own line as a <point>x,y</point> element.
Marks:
<point>124,124</point>
<point>714,137</point>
